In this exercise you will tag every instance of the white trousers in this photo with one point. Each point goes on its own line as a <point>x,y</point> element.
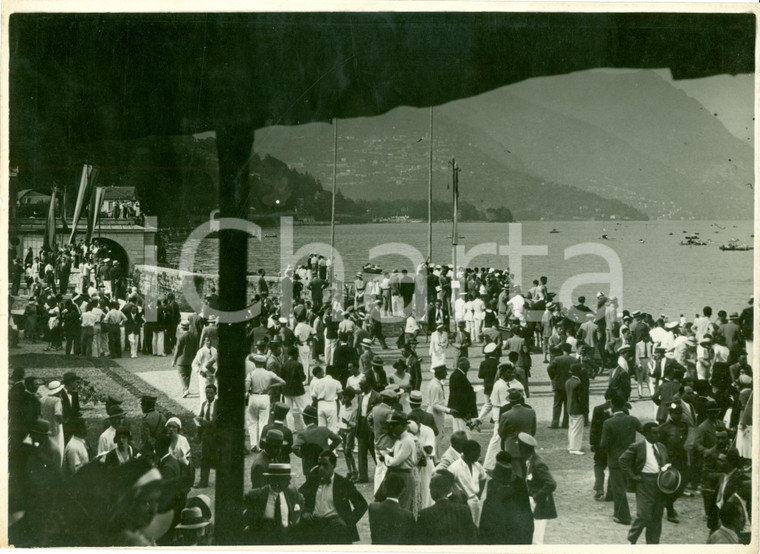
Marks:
<point>539,529</point>
<point>459,424</point>
<point>330,345</point>
<point>494,447</point>
<point>575,433</point>
<point>133,339</point>
<point>158,344</point>
<point>258,412</point>
<point>328,415</point>
<point>297,404</point>
<point>304,356</point>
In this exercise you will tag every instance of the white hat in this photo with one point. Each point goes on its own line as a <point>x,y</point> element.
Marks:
<point>175,421</point>
<point>671,325</point>
<point>54,387</point>
<point>489,348</point>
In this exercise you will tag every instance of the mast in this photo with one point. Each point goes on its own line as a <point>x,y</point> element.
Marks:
<point>332,215</point>
<point>430,191</point>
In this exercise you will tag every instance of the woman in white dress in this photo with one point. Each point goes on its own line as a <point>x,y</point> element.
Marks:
<point>401,378</point>
<point>439,342</point>
<point>179,446</point>
<point>51,410</point>
<point>204,366</point>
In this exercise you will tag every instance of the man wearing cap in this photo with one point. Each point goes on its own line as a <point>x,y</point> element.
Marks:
<point>415,404</point>
<point>279,416</point>
<point>313,440</point>
<point>271,443</point>
<point>673,434</point>
<point>187,348</point>
<point>367,355</point>
<point>378,419</point>
<point>618,433</point>
<point>152,425</point>
<point>515,418</point>
<point>258,383</point>
<point>115,418</point>
<point>541,485</point>
<point>642,462</point>
<point>273,511</point>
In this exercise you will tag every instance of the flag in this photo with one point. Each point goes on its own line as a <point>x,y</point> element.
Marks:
<point>90,199</point>
<point>49,240</point>
<point>96,205</point>
<point>89,176</point>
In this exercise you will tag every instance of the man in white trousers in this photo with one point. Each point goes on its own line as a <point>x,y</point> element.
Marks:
<point>435,399</point>
<point>576,408</point>
<point>499,398</point>
<point>258,383</point>
<point>326,392</point>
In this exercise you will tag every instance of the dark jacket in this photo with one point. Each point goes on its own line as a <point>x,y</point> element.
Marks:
<point>559,371</point>
<point>576,396</point>
<point>446,522</point>
<point>169,467</point>
<point>489,368</point>
<point>152,425</point>
<point>518,419</point>
<point>287,441</point>
<point>635,456</point>
<point>506,517</point>
<point>618,432</point>
<point>600,414</point>
<point>426,418</point>
<point>389,523</point>
<point>663,396</point>
<point>260,531</point>
<point>187,348</point>
<point>292,373</point>
<point>349,503</point>
<point>674,436</point>
<point>541,487</point>
<point>362,425</point>
<point>462,395</point>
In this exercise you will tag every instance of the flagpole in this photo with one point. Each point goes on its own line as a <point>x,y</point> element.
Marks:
<point>332,215</point>
<point>455,192</point>
<point>430,191</point>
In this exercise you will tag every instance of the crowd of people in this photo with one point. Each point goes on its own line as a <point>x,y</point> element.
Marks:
<point>317,386</point>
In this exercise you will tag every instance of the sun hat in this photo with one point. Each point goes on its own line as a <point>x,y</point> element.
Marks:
<point>54,387</point>
<point>201,502</point>
<point>515,395</point>
<point>117,411</point>
<point>388,394</point>
<point>671,325</point>
<point>278,470</point>
<point>70,377</point>
<point>624,347</point>
<point>192,518</point>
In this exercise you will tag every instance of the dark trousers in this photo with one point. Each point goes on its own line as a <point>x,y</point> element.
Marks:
<point>73,342</point>
<point>560,407</point>
<point>184,375</point>
<point>711,510</point>
<point>619,486</point>
<point>366,444</point>
<point>114,341</point>
<point>377,333</point>
<point>649,506</point>
<point>64,283</point>
<point>600,464</point>
<point>170,338</point>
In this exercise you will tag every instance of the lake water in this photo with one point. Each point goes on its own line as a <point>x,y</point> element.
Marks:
<point>658,274</point>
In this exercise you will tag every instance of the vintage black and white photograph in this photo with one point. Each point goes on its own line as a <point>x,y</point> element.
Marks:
<point>415,277</point>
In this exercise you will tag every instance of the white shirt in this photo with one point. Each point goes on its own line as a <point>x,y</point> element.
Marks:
<point>651,465</point>
<point>106,442</point>
<point>459,309</point>
<point>468,478</point>
<point>411,325</point>
<point>327,389</point>
<point>353,382</point>
<point>269,509</point>
<point>303,332</point>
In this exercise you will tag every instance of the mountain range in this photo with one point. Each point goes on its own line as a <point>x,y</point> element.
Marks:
<point>597,144</point>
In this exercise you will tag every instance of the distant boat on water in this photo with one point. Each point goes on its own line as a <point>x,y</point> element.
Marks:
<point>734,245</point>
<point>554,231</point>
<point>693,240</point>
<point>605,237</point>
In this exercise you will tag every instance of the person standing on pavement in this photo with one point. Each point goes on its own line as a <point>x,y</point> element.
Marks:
<point>462,396</point>
<point>559,373</point>
<point>674,433</point>
<point>187,348</point>
<point>618,433</point>
<point>601,413</point>
<point>576,407</point>
<point>541,486</point>
<point>366,401</point>
<point>258,383</point>
<point>435,399</point>
<point>642,463</point>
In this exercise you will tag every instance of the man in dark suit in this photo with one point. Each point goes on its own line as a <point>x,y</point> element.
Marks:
<point>618,432</point>
<point>601,413</point>
<point>641,463</point>
<point>152,425</point>
<point>332,505</point>
<point>273,512</point>
<point>665,394</point>
<point>516,418</point>
<point>279,413</point>
<point>445,522</point>
<point>389,523</point>
<point>559,373</point>
<point>541,485</point>
<point>620,378</point>
<point>69,402</point>
<point>711,473</point>
<point>206,424</point>
<point>462,396</point>
<point>365,438</point>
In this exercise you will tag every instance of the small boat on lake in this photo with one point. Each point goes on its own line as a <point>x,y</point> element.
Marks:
<point>734,245</point>
<point>693,240</point>
<point>554,231</point>
<point>372,268</point>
